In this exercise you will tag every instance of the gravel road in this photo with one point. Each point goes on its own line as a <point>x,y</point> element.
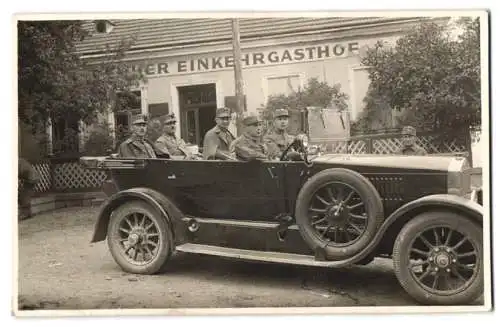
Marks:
<point>60,269</point>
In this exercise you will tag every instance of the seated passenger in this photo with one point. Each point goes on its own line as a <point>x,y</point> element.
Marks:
<point>217,140</point>
<point>169,145</point>
<point>137,145</point>
<point>249,145</point>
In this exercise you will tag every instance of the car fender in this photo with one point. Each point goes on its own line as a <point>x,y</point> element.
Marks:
<point>162,204</point>
<point>445,201</point>
<point>430,202</point>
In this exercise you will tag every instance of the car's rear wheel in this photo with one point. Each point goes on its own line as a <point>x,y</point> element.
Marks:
<point>438,259</point>
<point>340,211</point>
<point>139,238</point>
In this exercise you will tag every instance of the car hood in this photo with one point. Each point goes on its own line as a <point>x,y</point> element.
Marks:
<point>440,163</point>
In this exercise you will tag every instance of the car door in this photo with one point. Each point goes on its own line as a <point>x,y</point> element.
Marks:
<point>254,190</point>
<point>222,189</point>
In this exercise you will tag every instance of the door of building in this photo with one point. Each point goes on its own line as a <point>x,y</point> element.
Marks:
<point>197,105</point>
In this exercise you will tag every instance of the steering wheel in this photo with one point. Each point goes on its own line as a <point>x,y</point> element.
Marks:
<point>299,145</point>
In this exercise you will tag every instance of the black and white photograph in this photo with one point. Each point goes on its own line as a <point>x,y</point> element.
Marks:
<point>198,163</point>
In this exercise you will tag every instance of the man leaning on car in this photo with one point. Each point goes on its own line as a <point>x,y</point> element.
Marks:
<point>409,147</point>
<point>249,145</point>
<point>137,146</point>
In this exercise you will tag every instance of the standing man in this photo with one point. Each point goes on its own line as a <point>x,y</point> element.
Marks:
<point>27,178</point>
<point>249,146</point>
<point>137,146</point>
<point>169,144</point>
<point>409,136</point>
<point>217,140</point>
<point>278,139</point>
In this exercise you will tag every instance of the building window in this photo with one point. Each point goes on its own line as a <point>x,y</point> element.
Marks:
<point>285,85</point>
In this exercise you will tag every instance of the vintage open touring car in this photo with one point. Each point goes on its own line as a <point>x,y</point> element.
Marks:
<point>328,211</point>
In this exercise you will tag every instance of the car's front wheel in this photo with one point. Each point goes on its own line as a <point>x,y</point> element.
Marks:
<point>139,238</point>
<point>340,211</point>
<point>438,259</point>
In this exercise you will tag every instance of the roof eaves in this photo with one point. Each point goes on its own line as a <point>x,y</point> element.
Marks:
<point>162,46</point>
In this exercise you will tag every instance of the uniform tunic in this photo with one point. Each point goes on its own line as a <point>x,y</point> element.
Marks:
<point>171,145</point>
<point>277,142</point>
<point>216,144</point>
<point>134,147</point>
<point>413,150</point>
<point>247,148</point>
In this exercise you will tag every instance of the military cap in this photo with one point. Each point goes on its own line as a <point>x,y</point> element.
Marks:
<point>170,118</point>
<point>409,130</point>
<point>139,119</point>
<point>280,113</point>
<point>251,119</point>
<point>223,112</point>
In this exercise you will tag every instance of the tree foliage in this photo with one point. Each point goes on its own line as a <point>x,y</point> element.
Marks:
<point>55,82</point>
<point>431,78</point>
<point>314,94</point>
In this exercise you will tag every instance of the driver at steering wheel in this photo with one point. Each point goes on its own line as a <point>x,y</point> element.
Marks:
<point>278,140</point>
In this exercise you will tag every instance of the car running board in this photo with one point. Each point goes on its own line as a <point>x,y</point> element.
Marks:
<point>263,256</point>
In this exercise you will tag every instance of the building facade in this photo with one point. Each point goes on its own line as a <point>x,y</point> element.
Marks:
<point>189,62</point>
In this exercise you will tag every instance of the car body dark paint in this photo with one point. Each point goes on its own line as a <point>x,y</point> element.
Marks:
<point>469,208</point>
<point>258,192</point>
<point>261,190</point>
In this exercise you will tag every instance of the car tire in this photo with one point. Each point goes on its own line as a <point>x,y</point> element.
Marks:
<point>447,259</point>
<point>365,192</point>
<point>154,238</point>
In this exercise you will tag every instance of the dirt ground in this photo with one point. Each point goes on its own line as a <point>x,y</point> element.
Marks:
<point>60,269</point>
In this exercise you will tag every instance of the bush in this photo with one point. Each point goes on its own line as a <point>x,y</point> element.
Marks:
<point>437,90</point>
<point>99,142</point>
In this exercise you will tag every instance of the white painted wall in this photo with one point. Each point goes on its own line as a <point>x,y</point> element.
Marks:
<point>344,70</point>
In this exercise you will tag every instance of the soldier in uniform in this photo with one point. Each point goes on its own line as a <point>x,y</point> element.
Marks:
<point>137,146</point>
<point>409,147</point>
<point>249,145</point>
<point>278,140</point>
<point>217,140</point>
<point>168,144</point>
